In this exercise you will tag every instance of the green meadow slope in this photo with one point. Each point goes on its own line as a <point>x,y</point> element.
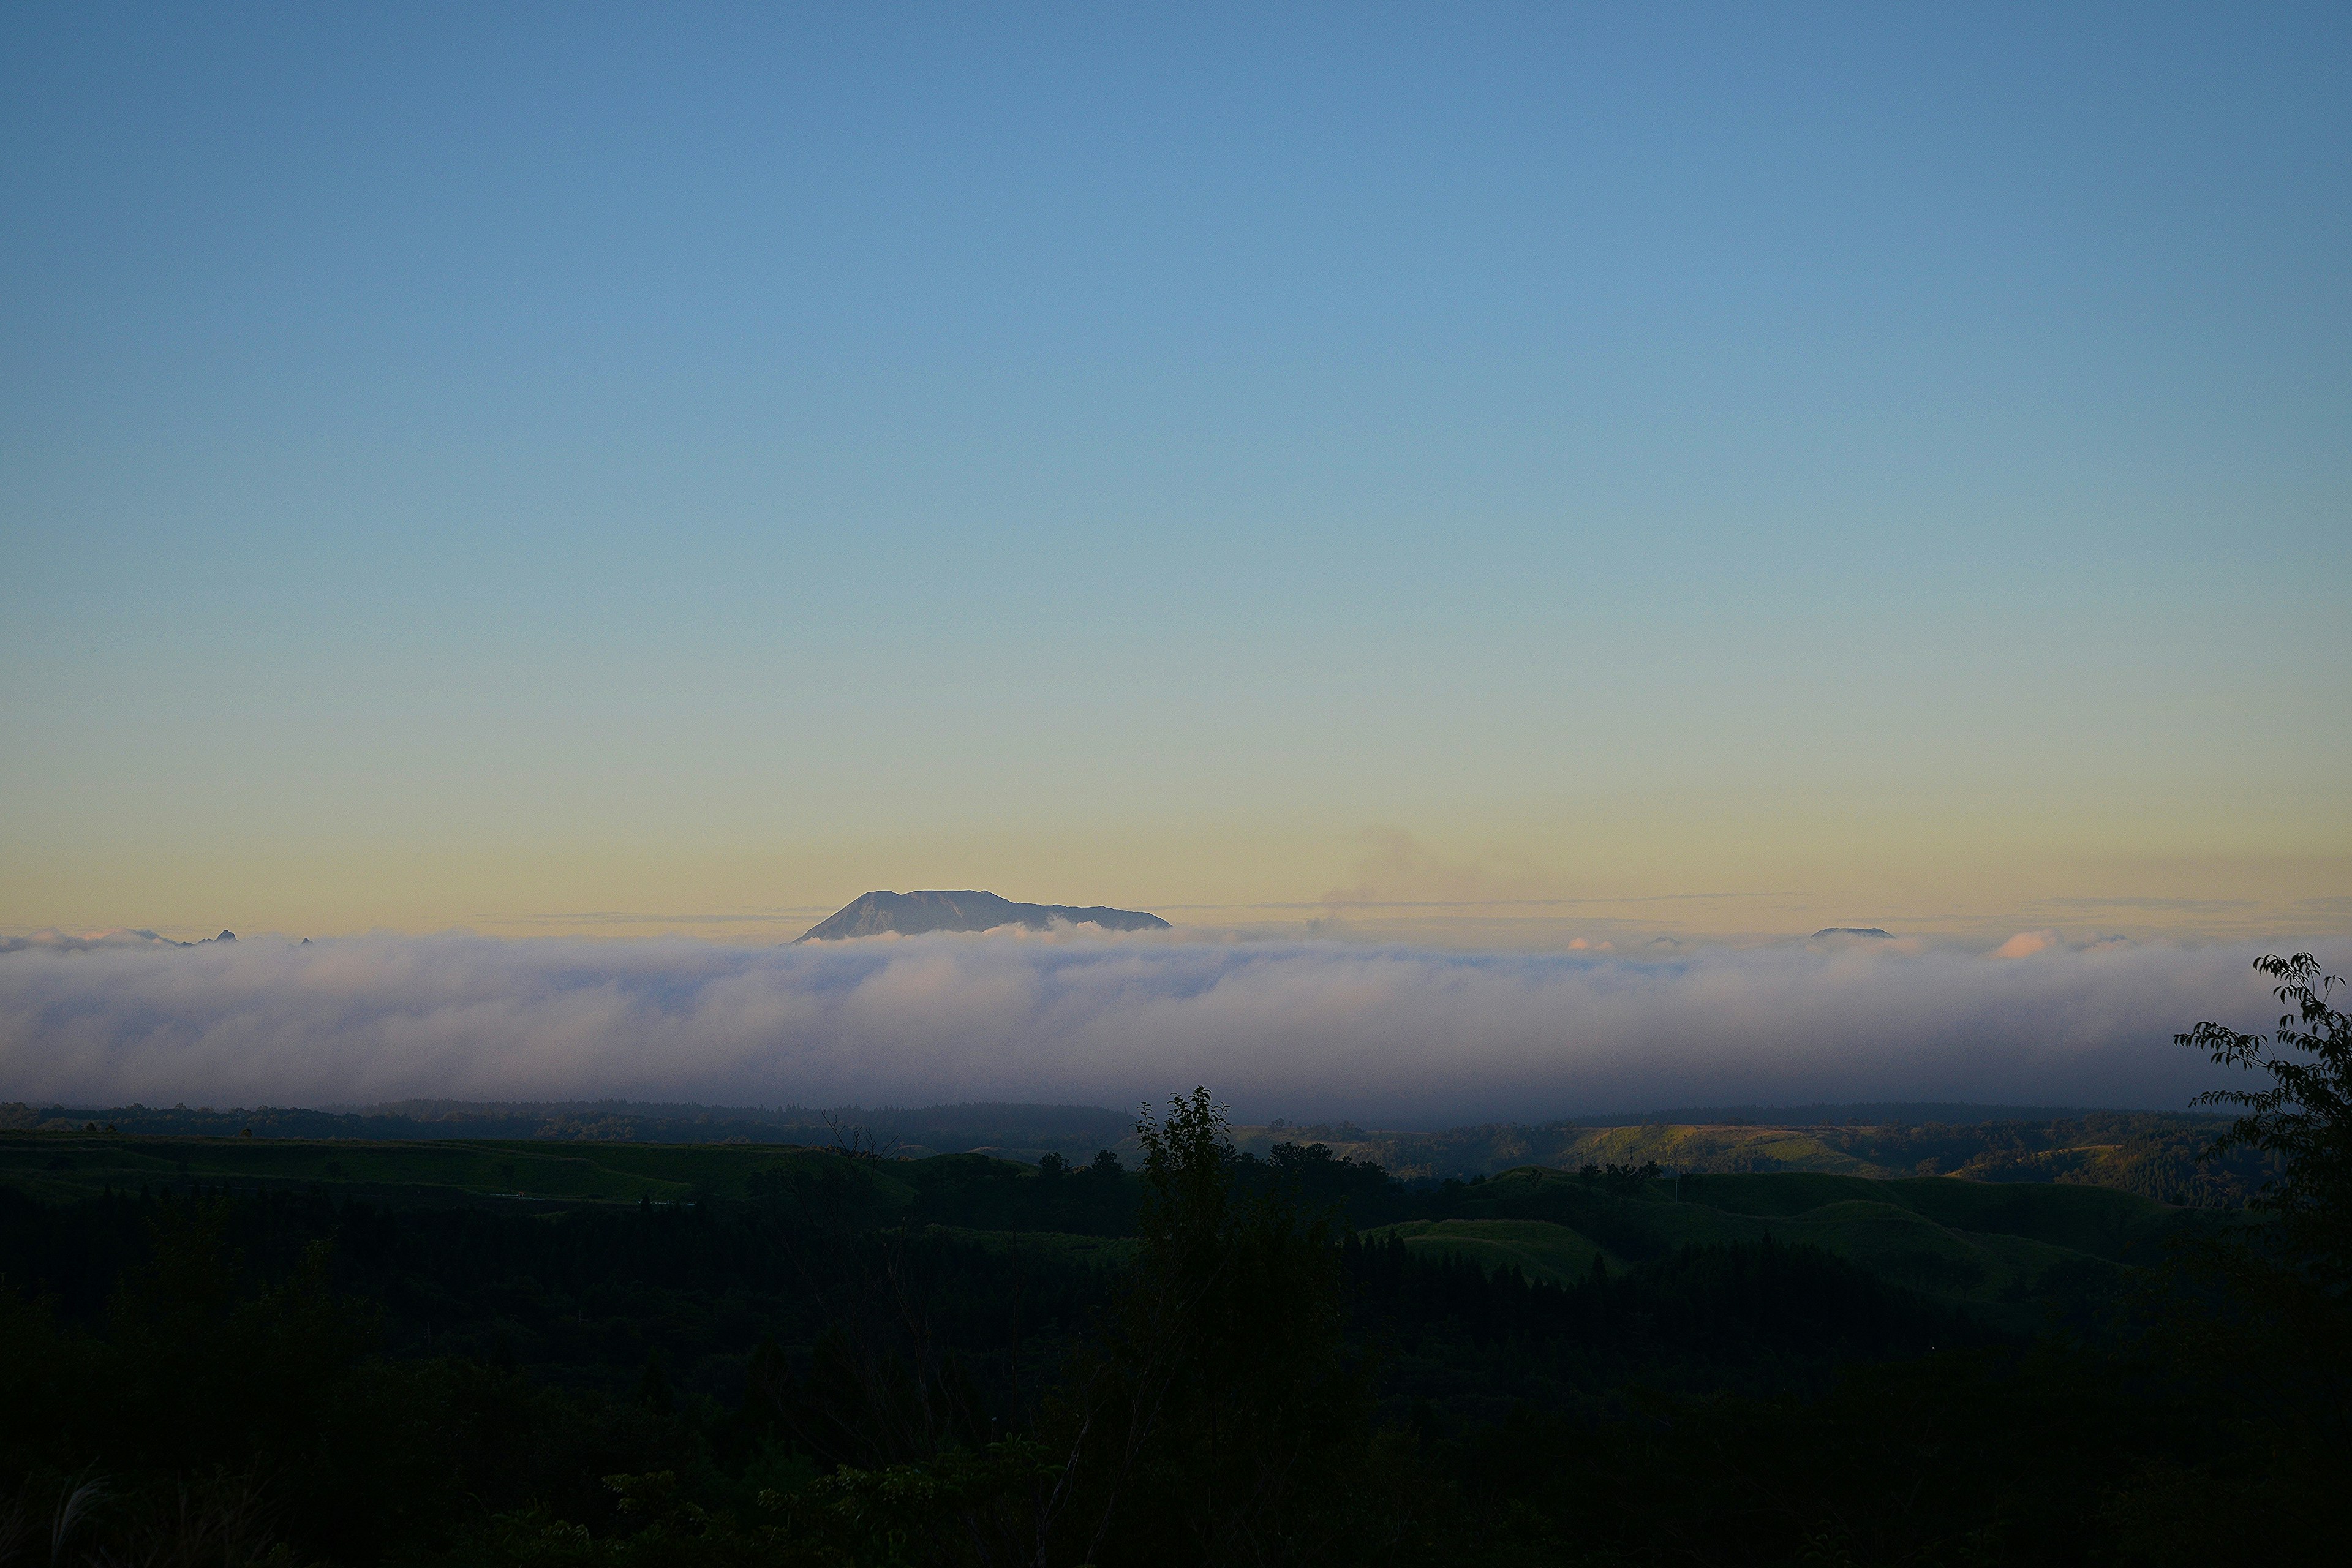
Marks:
<point>1537,1248</point>
<point>2158,1154</point>
<point>1982,1243</point>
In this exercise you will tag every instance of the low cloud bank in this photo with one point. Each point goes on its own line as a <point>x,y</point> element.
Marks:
<point>1398,1037</point>
<point>55,941</point>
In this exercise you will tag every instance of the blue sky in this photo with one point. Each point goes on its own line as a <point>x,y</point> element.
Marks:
<point>545,467</point>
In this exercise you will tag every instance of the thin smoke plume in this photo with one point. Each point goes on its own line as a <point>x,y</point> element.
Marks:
<point>1393,1036</point>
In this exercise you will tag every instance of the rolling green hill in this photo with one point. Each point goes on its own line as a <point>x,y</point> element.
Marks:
<point>1537,1249</point>
<point>1982,1243</point>
<point>2158,1154</point>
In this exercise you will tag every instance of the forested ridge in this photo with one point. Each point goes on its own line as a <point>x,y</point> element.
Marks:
<point>2158,1154</point>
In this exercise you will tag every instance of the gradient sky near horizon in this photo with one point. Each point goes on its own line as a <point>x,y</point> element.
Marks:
<point>1496,475</point>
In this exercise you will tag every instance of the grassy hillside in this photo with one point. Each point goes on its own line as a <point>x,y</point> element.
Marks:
<point>2155,1155</point>
<point>1981,1242</point>
<point>1537,1248</point>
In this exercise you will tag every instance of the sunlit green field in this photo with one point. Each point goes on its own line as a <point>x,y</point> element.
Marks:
<point>1537,1249</point>
<point>1965,1241</point>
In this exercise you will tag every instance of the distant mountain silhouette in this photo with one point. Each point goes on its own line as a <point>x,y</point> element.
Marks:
<point>912,914</point>
<point>1853,930</point>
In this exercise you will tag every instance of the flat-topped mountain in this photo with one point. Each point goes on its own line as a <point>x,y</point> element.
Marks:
<point>912,914</point>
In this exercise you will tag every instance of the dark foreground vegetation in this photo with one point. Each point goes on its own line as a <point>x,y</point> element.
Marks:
<point>771,1356</point>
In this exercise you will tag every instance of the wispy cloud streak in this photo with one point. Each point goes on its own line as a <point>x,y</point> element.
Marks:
<point>1404,1037</point>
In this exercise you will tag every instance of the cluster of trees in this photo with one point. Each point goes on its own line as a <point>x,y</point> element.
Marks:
<point>1619,1178</point>
<point>1242,1378</point>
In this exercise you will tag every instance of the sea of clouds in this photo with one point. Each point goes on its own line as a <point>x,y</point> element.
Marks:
<point>1389,1036</point>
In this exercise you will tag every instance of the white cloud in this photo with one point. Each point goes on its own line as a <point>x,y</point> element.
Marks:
<point>51,940</point>
<point>1402,1035</point>
<point>2026,943</point>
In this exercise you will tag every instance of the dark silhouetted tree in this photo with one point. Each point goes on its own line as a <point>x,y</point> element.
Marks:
<point>2304,1117</point>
